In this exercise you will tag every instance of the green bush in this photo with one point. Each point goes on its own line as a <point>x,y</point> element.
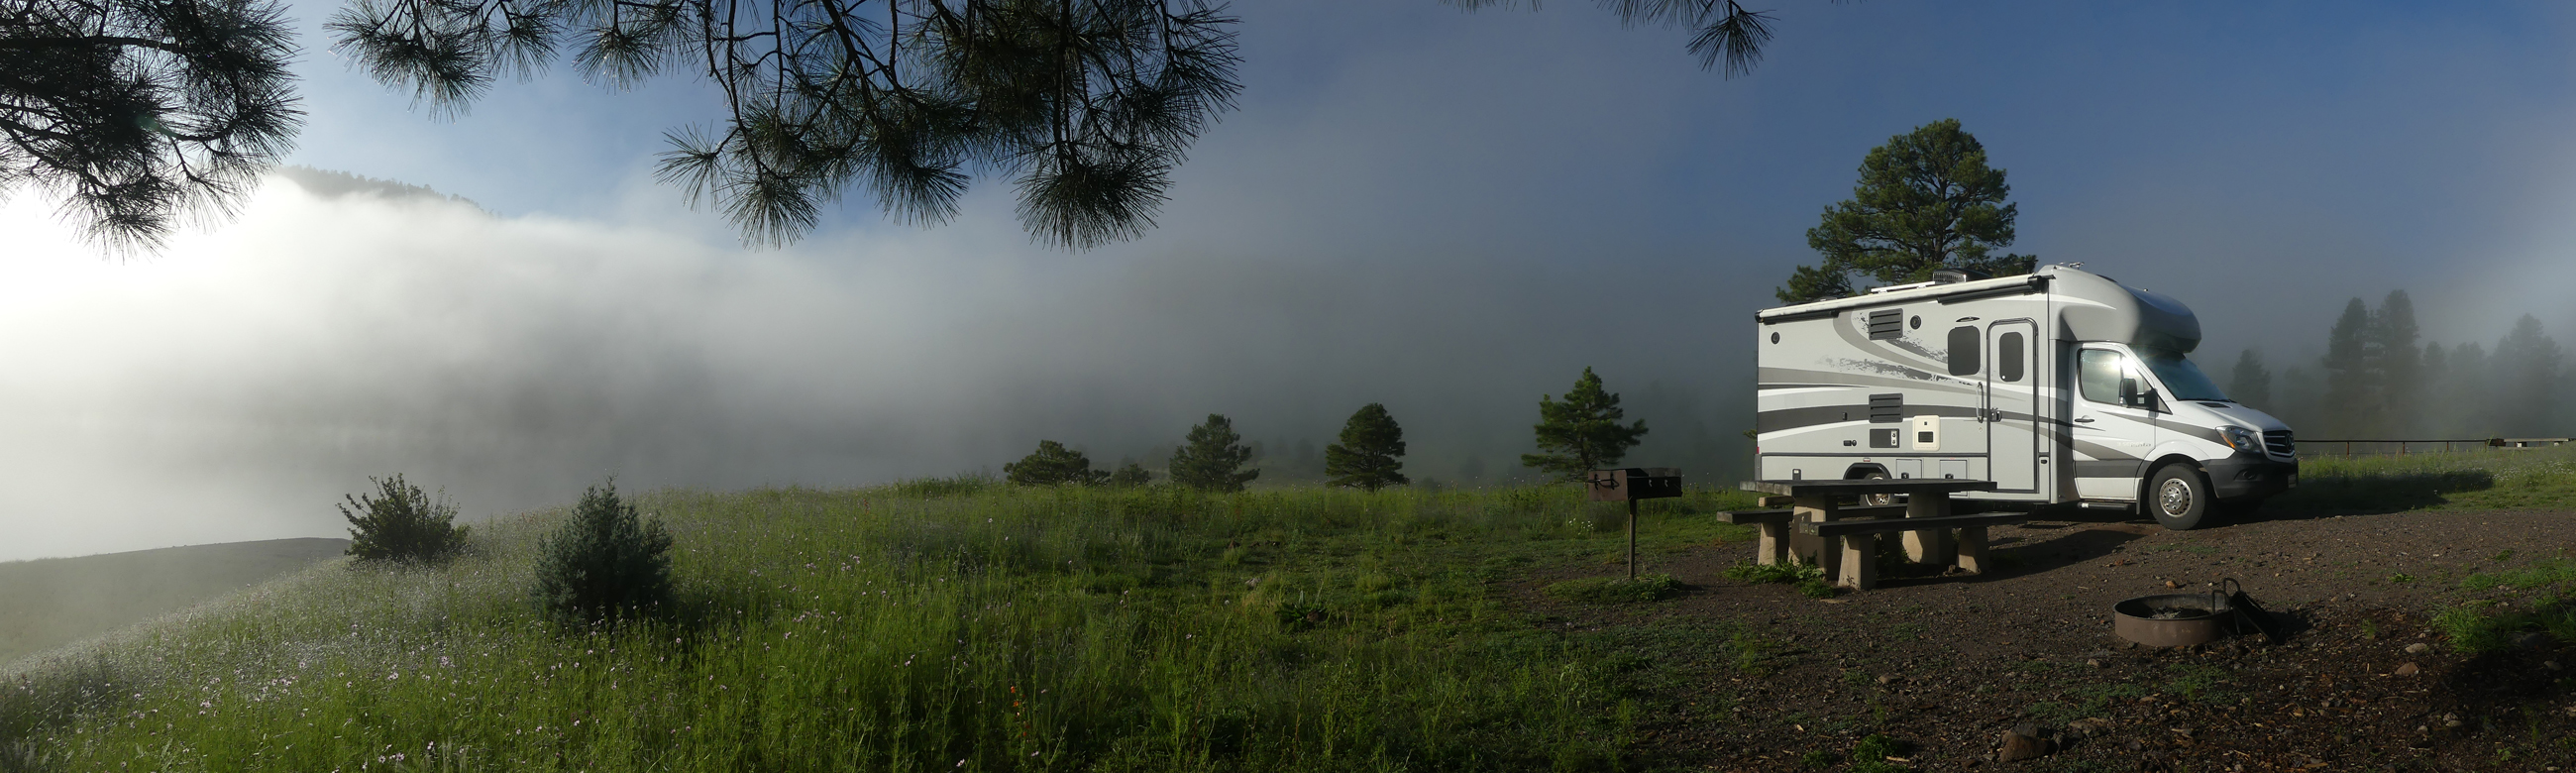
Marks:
<point>605,563</point>
<point>1791,571</point>
<point>1617,590</point>
<point>401,524</point>
<point>1870,755</point>
<point>1054,465</point>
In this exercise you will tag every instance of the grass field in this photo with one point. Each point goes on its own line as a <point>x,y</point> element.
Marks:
<point>936,625</point>
<point>2535,478</point>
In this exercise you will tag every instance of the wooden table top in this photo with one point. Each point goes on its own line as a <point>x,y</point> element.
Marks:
<point>1805,488</point>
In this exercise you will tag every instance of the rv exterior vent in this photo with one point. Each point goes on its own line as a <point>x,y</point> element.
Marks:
<point>1949,276</point>
<point>1887,408</point>
<point>1887,324</point>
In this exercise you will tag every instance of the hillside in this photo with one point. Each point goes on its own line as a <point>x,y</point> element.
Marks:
<point>961,625</point>
<point>51,602</point>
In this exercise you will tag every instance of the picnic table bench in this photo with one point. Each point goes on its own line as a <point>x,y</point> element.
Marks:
<point>1848,535</point>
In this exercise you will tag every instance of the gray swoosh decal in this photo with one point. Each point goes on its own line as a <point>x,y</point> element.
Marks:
<point>1906,378</point>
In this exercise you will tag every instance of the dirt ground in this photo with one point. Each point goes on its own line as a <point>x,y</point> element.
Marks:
<point>1948,665</point>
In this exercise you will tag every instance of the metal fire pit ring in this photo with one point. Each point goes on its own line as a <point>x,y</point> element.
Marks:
<point>2172,619</point>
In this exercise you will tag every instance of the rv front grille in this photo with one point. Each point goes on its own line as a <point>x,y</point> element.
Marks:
<point>2279,443</point>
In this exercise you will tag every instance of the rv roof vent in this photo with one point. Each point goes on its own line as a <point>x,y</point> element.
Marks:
<point>1949,276</point>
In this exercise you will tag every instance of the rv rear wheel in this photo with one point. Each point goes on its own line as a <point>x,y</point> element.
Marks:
<point>2179,497</point>
<point>1876,500</point>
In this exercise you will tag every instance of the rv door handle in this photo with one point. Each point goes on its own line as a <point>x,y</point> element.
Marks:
<point>2084,420</point>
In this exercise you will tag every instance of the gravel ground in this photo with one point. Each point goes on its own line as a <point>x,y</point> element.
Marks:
<point>1949,665</point>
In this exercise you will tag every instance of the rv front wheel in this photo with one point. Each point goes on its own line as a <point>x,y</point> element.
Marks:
<point>2179,497</point>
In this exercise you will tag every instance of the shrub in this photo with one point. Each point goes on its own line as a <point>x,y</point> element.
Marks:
<point>1787,571</point>
<point>1870,755</point>
<point>1130,476</point>
<point>1617,590</point>
<point>401,524</point>
<point>604,563</point>
<point>1054,465</point>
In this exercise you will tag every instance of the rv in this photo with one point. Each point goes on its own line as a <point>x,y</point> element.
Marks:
<point>2061,386</point>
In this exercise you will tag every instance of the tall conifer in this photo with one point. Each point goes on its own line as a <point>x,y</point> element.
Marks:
<point>2251,383</point>
<point>2400,367</point>
<point>1369,455</point>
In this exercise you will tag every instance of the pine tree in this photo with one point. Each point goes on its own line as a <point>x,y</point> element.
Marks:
<point>1369,455</point>
<point>142,112</point>
<point>1581,432</point>
<point>1054,465</point>
<point>604,563</point>
<point>1926,200</point>
<point>2251,383</point>
<point>1212,458</point>
<point>2351,388</point>
<point>2400,366</point>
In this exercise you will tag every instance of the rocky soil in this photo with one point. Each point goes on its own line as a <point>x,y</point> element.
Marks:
<point>1760,677</point>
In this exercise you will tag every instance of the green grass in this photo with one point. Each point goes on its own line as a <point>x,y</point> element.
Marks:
<point>932,625</point>
<point>1617,590</point>
<point>2482,479</point>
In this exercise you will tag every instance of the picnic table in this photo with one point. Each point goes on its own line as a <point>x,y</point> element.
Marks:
<point>1931,533</point>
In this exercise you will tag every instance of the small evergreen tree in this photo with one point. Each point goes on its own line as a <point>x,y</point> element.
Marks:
<point>1054,465</point>
<point>1130,475</point>
<point>402,524</point>
<point>605,563</point>
<point>1582,432</point>
<point>1368,455</point>
<point>1212,457</point>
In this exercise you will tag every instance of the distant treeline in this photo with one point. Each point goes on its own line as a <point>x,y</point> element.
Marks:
<point>2376,381</point>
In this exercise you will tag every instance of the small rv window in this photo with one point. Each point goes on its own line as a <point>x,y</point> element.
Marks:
<point>2098,371</point>
<point>2008,357</point>
<point>1963,350</point>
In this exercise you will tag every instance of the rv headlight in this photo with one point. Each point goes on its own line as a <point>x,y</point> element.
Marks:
<point>2242,439</point>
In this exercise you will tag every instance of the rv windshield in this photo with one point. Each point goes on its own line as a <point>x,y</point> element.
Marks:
<point>2179,375</point>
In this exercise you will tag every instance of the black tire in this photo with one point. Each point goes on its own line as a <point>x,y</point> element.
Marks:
<point>2180,499</point>
<point>1875,500</point>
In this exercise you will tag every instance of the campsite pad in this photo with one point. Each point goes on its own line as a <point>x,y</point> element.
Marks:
<point>1759,677</point>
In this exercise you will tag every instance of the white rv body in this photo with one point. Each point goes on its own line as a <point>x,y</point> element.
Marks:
<point>2017,380</point>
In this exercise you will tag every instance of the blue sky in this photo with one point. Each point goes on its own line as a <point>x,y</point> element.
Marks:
<point>1448,212</point>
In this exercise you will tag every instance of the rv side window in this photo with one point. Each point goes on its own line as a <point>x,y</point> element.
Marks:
<point>1963,351</point>
<point>2098,371</point>
<point>2008,357</point>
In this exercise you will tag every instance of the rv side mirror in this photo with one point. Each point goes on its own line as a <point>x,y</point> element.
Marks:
<point>2131,397</point>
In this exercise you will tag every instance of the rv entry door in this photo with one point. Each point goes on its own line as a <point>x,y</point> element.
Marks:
<point>2012,421</point>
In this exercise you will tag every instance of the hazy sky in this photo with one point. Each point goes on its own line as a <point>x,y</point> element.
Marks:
<point>1450,213</point>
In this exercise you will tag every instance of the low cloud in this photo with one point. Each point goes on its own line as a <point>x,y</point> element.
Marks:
<point>235,387</point>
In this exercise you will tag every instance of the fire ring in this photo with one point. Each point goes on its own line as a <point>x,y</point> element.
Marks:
<point>2173,619</point>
